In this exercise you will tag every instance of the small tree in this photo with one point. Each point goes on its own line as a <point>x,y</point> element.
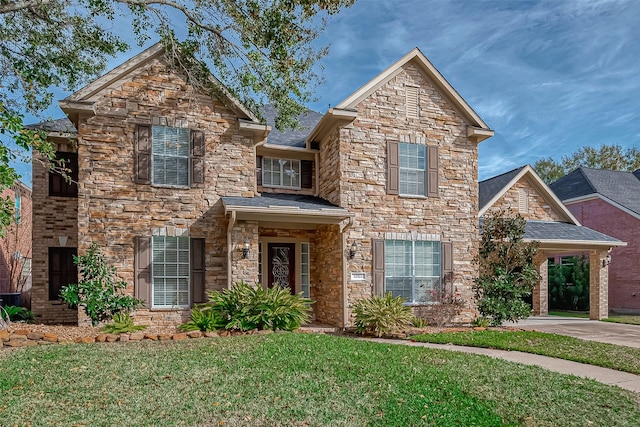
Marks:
<point>97,291</point>
<point>507,273</point>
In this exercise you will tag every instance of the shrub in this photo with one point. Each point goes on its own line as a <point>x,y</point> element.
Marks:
<point>122,323</point>
<point>246,307</point>
<point>381,315</point>
<point>205,320</point>
<point>16,314</point>
<point>97,291</point>
<point>419,322</point>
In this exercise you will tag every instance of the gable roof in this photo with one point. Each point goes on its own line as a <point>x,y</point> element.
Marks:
<point>290,137</point>
<point>490,191</point>
<point>616,187</point>
<point>84,98</point>
<point>417,58</point>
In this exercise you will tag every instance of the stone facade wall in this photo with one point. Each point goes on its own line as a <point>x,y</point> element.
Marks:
<point>244,269</point>
<point>453,215</point>
<point>537,207</point>
<point>328,284</point>
<point>624,271</point>
<point>113,209</point>
<point>52,217</point>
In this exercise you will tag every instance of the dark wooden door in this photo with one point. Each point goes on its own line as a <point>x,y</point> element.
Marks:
<point>282,261</point>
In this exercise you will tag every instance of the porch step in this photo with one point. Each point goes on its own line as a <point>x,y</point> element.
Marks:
<point>319,328</point>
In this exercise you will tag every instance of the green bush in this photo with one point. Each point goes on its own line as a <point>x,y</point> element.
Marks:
<point>205,320</point>
<point>381,315</point>
<point>122,323</point>
<point>16,314</point>
<point>246,307</point>
<point>419,322</point>
<point>97,291</point>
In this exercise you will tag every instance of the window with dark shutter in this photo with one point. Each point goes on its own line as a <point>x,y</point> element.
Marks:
<point>412,169</point>
<point>432,171</point>
<point>258,170</point>
<point>143,154</point>
<point>447,257</point>
<point>393,168</point>
<point>65,186</point>
<point>62,270</point>
<point>197,271</point>
<point>306,173</point>
<point>197,157</point>
<point>142,263</point>
<point>378,266</point>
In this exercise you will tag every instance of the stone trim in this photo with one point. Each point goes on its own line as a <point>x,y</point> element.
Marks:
<point>170,231</point>
<point>413,236</point>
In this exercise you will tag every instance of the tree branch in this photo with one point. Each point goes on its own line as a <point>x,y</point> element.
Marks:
<point>21,5</point>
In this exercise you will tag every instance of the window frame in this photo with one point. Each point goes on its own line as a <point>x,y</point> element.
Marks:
<point>154,276</point>
<point>153,156</point>
<point>66,254</point>
<point>390,268</point>
<point>67,188</point>
<point>17,207</point>
<point>421,149</point>
<point>273,160</point>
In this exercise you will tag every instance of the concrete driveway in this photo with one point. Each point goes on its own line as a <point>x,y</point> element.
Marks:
<point>593,330</point>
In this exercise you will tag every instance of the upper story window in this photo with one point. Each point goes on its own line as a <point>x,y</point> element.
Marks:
<point>413,168</point>
<point>280,173</point>
<point>170,155</point>
<point>17,209</point>
<point>65,186</point>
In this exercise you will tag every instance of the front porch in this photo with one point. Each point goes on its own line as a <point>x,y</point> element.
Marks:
<point>291,241</point>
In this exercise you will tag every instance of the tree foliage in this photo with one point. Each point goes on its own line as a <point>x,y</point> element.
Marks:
<point>260,50</point>
<point>506,269</point>
<point>612,157</point>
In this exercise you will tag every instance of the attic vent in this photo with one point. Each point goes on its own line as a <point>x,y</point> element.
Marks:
<point>523,201</point>
<point>412,102</point>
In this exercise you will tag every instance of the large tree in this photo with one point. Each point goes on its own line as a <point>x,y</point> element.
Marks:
<point>612,157</point>
<point>260,50</point>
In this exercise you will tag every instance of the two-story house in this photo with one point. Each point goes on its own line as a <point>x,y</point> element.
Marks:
<point>187,192</point>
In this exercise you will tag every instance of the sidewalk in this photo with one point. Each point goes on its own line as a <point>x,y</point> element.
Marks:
<point>607,376</point>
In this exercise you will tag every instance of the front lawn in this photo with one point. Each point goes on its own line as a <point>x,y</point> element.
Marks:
<point>594,353</point>
<point>629,319</point>
<point>289,379</point>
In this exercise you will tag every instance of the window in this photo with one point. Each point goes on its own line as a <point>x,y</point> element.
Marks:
<point>170,271</point>
<point>412,269</point>
<point>17,210</point>
<point>413,160</point>
<point>280,173</point>
<point>170,148</point>
<point>65,186</point>
<point>62,270</point>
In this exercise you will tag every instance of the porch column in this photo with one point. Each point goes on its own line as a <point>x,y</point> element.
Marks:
<point>541,291</point>
<point>598,285</point>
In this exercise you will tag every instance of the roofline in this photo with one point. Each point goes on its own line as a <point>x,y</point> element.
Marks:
<point>594,196</point>
<point>578,242</point>
<point>421,60</point>
<point>288,214</point>
<point>527,169</point>
<point>331,118</point>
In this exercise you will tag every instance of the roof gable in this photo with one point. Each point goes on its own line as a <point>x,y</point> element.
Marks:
<point>621,188</point>
<point>492,189</point>
<point>416,57</point>
<point>84,98</point>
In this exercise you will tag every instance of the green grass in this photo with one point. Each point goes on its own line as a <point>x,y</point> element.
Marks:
<point>578,314</point>
<point>293,379</point>
<point>594,353</point>
<point>629,319</point>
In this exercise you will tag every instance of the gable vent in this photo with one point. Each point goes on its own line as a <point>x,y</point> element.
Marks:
<point>523,201</point>
<point>412,102</point>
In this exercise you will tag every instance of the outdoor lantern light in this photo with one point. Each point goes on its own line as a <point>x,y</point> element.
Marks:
<point>352,251</point>
<point>245,250</point>
<point>606,261</point>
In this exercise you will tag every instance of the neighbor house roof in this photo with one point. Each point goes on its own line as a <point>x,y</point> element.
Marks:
<point>618,188</point>
<point>547,232</point>
<point>490,191</point>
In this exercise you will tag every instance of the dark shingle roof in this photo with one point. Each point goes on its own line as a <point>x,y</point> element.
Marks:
<point>622,188</point>
<point>288,137</point>
<point>637,173</point>
<point>492,186</point>
<point>280,200</point>
<point>547,230</point>
<point>63,125</point>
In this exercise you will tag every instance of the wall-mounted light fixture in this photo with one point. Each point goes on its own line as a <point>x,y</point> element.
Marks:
<point>245,249</point>
<point>606,261</point>
<point>353,250</point>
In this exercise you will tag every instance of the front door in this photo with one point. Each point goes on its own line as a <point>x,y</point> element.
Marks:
<point>282,261</point>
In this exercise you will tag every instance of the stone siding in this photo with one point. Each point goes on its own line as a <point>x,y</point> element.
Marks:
<point>537,207</point>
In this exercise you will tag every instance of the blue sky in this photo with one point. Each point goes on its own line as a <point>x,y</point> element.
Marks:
<point>547,76</point>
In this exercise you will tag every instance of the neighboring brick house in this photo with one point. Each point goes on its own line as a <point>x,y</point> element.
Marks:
<point>15,246</point>
<point>550,223</point>
<point>609,201</point>
<point>187,193</point>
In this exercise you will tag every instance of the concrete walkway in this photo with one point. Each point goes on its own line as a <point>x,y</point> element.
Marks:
<point>592,330</point>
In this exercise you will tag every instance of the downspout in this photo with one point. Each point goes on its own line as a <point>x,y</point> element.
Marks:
<point>232,222</point>
<point>317,160</point>
<point>345,304</point>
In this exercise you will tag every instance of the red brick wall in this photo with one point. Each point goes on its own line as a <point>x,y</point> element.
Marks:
<point>17,239</point>
<point>624,271</point>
